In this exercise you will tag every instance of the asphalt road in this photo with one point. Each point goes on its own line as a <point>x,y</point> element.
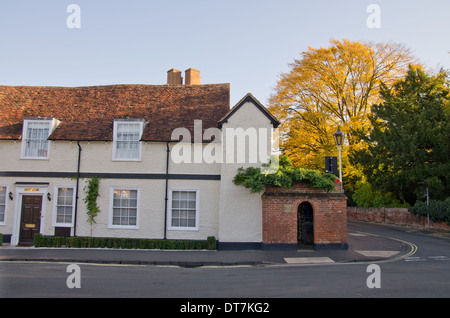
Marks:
<point>423,274</point>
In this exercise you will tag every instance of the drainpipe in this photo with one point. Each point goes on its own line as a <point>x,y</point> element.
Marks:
<point>76,190</point>
<point>167,190</point>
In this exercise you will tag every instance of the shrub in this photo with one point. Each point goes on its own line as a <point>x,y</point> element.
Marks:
<point>122,243</point>
<point>211,243</point>
<point>364,196</point>
<point>439,210</point>
<point>286,176</point>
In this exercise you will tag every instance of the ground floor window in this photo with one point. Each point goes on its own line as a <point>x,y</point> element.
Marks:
<point>2,203</point>
<point>124,208</point>
<point>183,209</point>
<point>64,206</point>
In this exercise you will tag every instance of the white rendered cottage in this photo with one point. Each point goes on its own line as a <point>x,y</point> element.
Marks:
<point>166,156</point>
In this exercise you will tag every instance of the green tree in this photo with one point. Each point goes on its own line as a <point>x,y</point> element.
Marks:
<point>330,87</point>
<point>364,196</point>
<point>409,145</point>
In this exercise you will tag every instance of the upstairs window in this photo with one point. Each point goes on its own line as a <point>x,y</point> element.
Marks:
<point>127,135</point>
<point>35,143</point>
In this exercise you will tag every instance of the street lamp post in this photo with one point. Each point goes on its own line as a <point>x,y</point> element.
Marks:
<point>339,139</point>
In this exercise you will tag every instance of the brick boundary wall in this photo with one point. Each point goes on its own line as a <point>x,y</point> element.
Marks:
<point>399,216</point>
<point>279,207</point>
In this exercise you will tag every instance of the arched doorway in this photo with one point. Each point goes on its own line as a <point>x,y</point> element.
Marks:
<point>305,224</point>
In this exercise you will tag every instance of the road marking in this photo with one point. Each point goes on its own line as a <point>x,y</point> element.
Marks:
<point>439,258</point>
<point>308,260</point>
<point>356,234</point>
<point>430,258</point>
<point>407,255</point>
<point>384,254</point>
<point>414,259</point>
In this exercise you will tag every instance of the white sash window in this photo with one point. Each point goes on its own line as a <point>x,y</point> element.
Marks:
<point>35,143</point>
<point>64,206</point>
<point>127,145</point>
<point>2,204</point>
<point>124,208</point>
<point>183,209</point>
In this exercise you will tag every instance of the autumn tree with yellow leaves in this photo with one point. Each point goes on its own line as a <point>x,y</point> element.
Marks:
<point>331,87</point>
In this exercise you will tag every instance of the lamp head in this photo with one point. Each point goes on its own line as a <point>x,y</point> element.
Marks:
<point>338,137</point>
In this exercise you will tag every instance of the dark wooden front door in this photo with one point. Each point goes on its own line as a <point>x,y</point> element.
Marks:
<point>31,218</point>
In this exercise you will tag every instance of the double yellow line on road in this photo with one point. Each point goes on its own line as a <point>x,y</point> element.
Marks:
<point>413,247</point>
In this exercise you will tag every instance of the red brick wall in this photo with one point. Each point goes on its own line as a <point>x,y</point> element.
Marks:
<point>399,216</point>
<point>330,221</point>
<point>280,214</point>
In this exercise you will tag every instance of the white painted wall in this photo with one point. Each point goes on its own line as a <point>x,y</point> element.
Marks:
<point>240,216</point>
<point>96,157</point>
<point>226,211</point>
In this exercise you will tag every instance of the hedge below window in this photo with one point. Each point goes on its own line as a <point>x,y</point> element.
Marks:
<point>123,243</point>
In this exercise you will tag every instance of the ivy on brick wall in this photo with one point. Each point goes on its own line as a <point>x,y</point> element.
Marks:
<point>256,179</point>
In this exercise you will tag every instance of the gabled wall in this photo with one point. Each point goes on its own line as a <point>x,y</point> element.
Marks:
<point>240,218</point>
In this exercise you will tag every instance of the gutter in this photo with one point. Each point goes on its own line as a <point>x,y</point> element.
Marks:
<point>167,190</point>
<point>76,191</point>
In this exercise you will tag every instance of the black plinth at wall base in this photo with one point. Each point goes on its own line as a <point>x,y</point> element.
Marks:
<point>238,246</point>
<point>6,238</point>
<point>279,247</point>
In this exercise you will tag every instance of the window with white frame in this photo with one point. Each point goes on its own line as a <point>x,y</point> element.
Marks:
<point>183,209</point>
<point>64,206</point>
<point>127,135</point>
<point>2,204</point>
<point>124,207</point>
<point>35,144</point>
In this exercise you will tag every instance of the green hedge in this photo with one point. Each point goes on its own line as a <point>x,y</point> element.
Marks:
<point>122,243</point>
<point>439,210</point>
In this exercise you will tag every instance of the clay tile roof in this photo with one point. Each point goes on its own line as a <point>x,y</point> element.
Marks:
<point>88,113</point>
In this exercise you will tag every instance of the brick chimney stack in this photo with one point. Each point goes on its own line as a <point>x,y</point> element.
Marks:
<point>192,77</point>
<point>174,77</point>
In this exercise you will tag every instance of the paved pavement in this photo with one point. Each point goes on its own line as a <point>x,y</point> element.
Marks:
<point>362,247</point>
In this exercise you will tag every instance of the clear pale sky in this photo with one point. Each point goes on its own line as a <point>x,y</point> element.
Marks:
<point>246,43</point>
